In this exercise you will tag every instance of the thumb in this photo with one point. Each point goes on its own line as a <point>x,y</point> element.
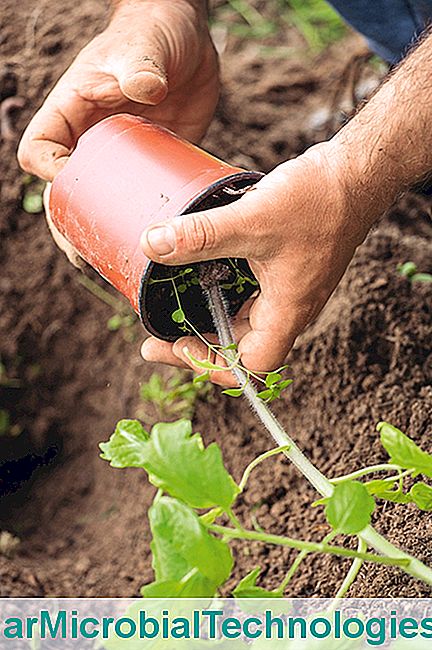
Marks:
<point>212,234</point>
<point>143,79</point>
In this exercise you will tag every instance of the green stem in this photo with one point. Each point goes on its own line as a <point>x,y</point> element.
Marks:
<point>353,572</point>
<point>257,461</point>
<point>236,522</point>
<point>383,467</point>
<point>320,482</point>
<point>297,562</point>
<point>103,295</point>
<point>300,545</point>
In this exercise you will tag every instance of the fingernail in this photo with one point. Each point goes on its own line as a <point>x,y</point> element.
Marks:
<point>161,240</point>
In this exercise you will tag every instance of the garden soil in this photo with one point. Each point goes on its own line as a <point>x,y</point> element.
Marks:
<point>82,525</point>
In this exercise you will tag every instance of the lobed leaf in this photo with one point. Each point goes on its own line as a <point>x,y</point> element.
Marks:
<point>182,544</point>
<point>247,587</point>
<point>403,451</point>
<point>422,496</point>
<point>386,490</point>
<point>125,446</point>
<point>193,585</point>
<point>350,507</point>
<point>178,463</point>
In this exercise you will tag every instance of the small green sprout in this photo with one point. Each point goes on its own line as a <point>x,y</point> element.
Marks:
<point>409,271</point>
<point>32,201</point>
<point>172,397</point>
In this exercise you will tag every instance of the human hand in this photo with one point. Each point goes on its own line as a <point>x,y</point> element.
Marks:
<point>298,231</point>
<point>155,59</point>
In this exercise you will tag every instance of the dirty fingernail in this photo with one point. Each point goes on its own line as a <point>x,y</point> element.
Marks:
<point>161,240</point>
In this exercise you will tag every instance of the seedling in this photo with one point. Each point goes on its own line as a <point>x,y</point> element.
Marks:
<point>172,397</point>
<point>409,271</point>
<point>33,192</point>
<point>252,23</point>
<point>191,548</point>
<point>318,23</point>
<point>272,383</point>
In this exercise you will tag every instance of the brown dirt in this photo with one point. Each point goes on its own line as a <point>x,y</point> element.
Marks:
<point>82,525</point>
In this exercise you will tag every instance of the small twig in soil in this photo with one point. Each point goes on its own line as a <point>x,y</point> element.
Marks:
<point>7,131</point>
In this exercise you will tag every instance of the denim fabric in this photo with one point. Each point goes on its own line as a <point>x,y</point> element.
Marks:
<point>390,26</point>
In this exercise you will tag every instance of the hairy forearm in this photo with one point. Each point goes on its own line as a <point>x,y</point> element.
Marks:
<point>387,146</point>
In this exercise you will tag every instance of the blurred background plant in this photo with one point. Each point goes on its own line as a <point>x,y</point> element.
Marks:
<point>171,397</point>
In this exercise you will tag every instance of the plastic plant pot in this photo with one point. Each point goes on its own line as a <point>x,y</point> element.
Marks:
<point>125,174</point>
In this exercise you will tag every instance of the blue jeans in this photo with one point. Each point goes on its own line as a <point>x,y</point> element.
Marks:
<point>390,26</point>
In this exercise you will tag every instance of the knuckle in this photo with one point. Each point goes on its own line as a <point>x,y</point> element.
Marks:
<point>198,233</point>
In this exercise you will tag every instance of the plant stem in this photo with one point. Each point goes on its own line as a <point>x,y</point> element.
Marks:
<point>257,461</point>
<point>223,326</point>
<point>293,568</point>
<point>353,572</point>
<point>383,467</point>
<point>299,559</point>
<point>300,545</point>
<point>320,482</point>
<point>103,295</point>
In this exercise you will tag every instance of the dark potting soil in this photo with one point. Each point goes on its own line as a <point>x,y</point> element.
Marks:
<point>82,524</point>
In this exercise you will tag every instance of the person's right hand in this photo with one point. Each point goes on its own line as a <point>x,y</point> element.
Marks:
<point>155,59</point>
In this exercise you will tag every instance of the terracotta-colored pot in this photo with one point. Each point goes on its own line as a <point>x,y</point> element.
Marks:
<point>125,174</point>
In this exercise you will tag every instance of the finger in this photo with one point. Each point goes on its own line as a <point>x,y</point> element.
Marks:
<point>142,79</point>
<point>157,351</point>
<point>275,323</point>
<point>220,232</point>
<point>46,143</point>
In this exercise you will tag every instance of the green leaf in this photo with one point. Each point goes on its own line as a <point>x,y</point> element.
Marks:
<point>178,316</point>
<point>247,587</point>
<point>284,384</point>
<point>201,378</point>
<point>387,490</point>
<point>231,346</point>
<point>265,394</point>
<point>126,446</point>
<point>272,378</point>
<point>193,585</point>
<point>421,277</point>
<point>403,451</point>
<point>422,496</point>
<point>181,544</point>
<point>181,288</point>
<point>177,463</point>
<point>114,323</point>
<point>205,364</point>
<point>349,508</point>
<point>407,269</point>
<point>233,392</point>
